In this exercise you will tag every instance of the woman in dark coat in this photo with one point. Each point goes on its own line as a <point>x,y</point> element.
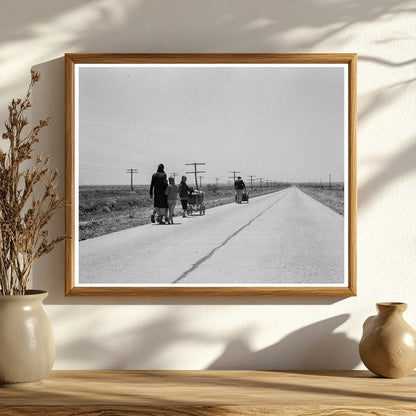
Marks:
<point>157,188</point>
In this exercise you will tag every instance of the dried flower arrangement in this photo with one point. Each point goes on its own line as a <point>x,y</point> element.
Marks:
<point>28,199</point>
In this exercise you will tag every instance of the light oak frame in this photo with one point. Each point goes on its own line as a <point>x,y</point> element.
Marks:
<point>72,59</point>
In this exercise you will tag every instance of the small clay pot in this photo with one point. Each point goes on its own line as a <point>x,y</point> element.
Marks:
<point>388,345</point>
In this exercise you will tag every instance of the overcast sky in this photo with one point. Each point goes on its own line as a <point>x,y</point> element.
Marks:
<point>278,123</point>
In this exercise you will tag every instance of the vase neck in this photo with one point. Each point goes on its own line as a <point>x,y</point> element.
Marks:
<point>390,308</point>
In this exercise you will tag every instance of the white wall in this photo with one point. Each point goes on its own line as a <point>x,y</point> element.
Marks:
<point>200,333</point>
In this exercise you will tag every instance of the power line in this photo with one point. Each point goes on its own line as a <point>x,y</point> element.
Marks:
<point>103,160</point>
<point>251,180</point>
<point>174,174</point>
<point>260,181</point>
<point>234,173</point>
<point>98,168</point>
<point>131,171</point>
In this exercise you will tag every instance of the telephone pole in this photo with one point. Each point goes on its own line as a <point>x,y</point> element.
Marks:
<point>251,180</point>
<point>174,174</point>
<point>200,182</point>
<point>216,181</point>
<point>195,171</point>
<point>131,171</point>
<point>234,172</point>
<point>260,181</point>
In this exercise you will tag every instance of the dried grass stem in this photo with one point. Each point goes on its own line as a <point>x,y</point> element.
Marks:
<point>23,217</point>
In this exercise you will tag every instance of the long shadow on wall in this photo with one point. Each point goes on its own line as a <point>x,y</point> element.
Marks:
<point>235,26</point>
<point>151,345</point>
<point>246,27</point>
<point>150,26</point>
<point>391,170</point>
<point>145,345</point>
<point>315,346</point>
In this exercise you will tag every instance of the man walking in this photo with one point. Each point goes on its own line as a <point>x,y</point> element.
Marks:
<point>239,185</point>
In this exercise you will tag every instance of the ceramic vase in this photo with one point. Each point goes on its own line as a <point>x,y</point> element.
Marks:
<point>27,347</point>
<point>388,345</point>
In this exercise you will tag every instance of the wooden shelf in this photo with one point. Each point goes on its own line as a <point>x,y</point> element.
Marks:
<point>202,393</point>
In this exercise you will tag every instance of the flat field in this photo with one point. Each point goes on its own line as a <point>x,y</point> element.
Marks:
<point>332,197</point>
<point>106,209</point>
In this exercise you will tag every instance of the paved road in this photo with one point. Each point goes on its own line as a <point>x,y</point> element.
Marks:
<point>283,237</point>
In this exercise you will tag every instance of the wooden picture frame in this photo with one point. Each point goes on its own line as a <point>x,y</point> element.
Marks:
<point>179,103</point>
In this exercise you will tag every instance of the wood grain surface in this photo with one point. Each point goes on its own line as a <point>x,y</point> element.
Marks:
<point>202,393</point>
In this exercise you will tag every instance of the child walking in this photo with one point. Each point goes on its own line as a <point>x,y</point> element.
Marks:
<point>171,194</point>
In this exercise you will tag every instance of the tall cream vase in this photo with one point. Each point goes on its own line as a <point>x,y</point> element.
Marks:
<point>27,347</point>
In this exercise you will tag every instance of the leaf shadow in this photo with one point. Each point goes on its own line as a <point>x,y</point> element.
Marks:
<point>315,346</point>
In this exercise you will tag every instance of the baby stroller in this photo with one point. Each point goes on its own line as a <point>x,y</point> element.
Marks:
<point>244,197</point>
<point>195,203</point>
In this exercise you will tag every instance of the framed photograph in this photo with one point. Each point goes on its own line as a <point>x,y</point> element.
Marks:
<point>211,174</point>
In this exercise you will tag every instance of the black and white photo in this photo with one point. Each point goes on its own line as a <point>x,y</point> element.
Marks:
<point>231,177</point>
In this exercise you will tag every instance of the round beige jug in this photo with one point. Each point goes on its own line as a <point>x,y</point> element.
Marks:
<point>388,345</point>
<point>27,347</point>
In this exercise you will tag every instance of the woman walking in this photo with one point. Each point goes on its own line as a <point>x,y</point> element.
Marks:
<point>157,188</point>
